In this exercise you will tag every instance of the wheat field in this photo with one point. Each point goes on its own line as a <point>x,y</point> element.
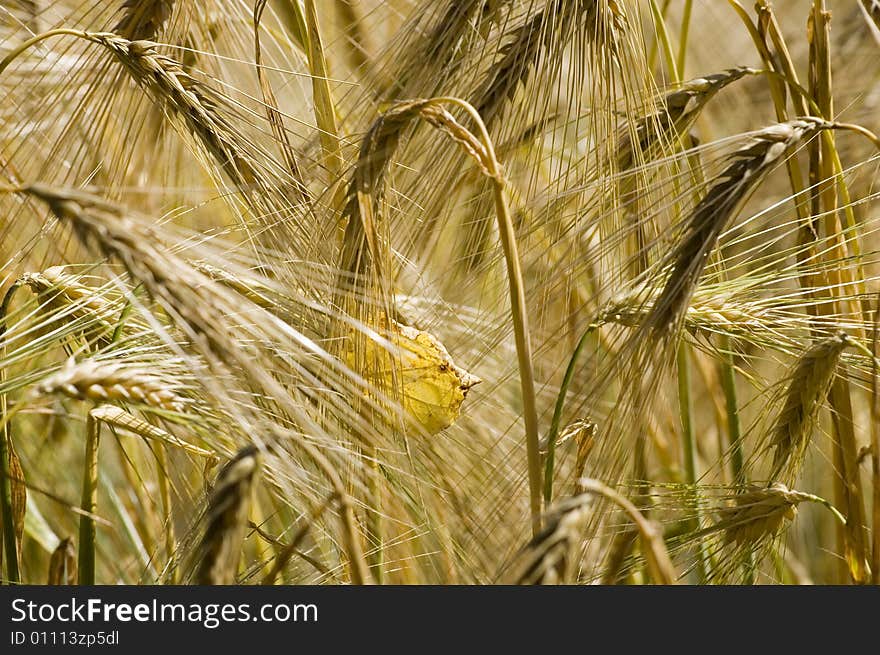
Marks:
<point>439,291</point>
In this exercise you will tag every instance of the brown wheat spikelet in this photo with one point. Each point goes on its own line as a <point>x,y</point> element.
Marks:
<point>219,550</point>
<point>62,564</point>
<point>676,112</point>
<point>552,556</point>
<point>557,23</point>
<point>144,19</point>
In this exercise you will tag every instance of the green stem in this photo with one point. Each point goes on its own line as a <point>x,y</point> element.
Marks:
<point>553,434</point>
<point>734,430</point>
<point>848,485</point>
<point>689,448</point>
<point>518,313</point>
<point>523,349</point>
<point>86,565</point>
<point>10,546</point>
<point>168,518</point>
<point>652,55</point>
<point>9,541</point>
<point>683,37</point>
<point>734,439</point>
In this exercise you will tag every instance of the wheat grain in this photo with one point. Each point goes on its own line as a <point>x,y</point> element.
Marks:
<point>113,382</point>
<point>436,57</point>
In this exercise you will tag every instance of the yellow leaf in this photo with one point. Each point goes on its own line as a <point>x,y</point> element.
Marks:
<point>419,371</point>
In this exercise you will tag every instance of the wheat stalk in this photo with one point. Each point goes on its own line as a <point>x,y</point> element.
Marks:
<point>367,183</point>
<point>169,83</point>
<point>85,571</point>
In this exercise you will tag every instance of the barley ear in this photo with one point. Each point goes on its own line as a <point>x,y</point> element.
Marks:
<point>219,550</point>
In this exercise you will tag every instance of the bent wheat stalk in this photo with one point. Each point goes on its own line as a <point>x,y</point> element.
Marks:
<point>87,532</point>
<point>362,230</point>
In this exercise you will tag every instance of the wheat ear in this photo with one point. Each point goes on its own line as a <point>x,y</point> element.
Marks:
<point>219,550</point>
<point>113,382</point>
<point>808,386</point>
